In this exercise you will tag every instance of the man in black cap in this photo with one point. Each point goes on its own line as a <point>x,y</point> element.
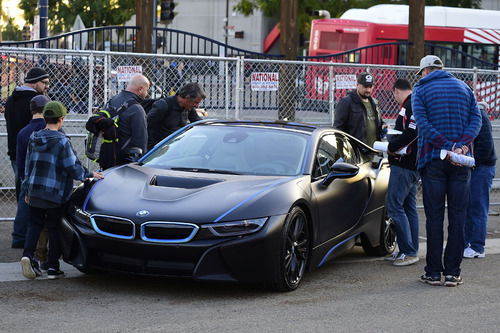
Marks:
<point>17,110</point>
<point>357,114</point>
<point>37,123</point>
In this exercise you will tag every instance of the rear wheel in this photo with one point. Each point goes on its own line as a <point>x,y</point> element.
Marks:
<point>294,254</point>
<point>387,238</point>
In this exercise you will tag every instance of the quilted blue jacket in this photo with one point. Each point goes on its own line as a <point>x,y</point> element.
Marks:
<point>446,113</point>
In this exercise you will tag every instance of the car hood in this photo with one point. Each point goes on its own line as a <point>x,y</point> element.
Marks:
<point>148,194</point>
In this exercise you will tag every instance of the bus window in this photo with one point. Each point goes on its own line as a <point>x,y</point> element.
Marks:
<point>338,41</point>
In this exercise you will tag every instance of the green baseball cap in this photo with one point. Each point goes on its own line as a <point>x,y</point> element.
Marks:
<point>54,110</point>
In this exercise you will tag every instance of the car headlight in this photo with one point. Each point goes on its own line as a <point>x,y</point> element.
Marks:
<point>82,217</point>
<point>235,228</point>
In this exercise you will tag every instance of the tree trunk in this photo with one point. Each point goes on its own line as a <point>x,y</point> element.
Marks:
<point>144,20</point>
<point>289,37</point>
<point>416,32</point>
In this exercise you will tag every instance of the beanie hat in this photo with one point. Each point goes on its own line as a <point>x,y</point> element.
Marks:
<point>54,110</point>
<point>35,74</point>
<point>38,102</point>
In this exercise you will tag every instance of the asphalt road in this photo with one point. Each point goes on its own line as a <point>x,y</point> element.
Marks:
<point>352,294</point>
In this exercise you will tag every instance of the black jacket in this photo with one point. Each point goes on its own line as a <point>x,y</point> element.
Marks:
<point>350,116</point>
<point>484,148</point>
<point>131,131</point>
<point>405,122</point>
<point>17,115</point>
<point>167,116</point>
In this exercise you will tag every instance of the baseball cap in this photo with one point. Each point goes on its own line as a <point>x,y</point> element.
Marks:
<point>430,61</point>
<point>54,109</point>
<point>365,79</point>
<point>38,102</point>
<point>35,74</point>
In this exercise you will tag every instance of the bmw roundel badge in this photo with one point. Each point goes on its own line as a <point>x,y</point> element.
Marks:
<point>142,213</point>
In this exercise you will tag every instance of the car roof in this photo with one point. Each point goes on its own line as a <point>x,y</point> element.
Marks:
<point>278,124</point>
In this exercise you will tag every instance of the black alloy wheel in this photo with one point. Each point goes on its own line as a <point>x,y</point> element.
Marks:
<point>387,238</point>
<point>295,250</point>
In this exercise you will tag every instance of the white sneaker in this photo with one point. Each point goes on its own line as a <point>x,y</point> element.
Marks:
<point>404,260</point>
<point>470,253</point>
<point>392,257</point>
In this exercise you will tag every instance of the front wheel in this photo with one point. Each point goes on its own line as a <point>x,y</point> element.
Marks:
<point>387,238</point>
<point>294,256</point>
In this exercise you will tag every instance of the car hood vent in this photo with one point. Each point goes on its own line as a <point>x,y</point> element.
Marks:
<point>181,182</point>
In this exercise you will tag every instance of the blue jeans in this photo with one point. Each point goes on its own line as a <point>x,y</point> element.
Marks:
<point>50,218</point>
<point>21,221</point>
<point>442,181</point>
<point>477,214</point>
<point>401,206</point>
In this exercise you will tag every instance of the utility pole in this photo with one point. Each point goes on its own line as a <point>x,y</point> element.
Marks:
<point>144,20</point>
<point>416,32</point>
<point>43,11</point>
<point>289,42</point>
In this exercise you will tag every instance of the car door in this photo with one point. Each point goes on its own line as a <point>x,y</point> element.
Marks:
<point>340,204</point>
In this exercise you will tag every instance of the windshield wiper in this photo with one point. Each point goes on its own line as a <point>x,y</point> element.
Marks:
<point>226,172</point>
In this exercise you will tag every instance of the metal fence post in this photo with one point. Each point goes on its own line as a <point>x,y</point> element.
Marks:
<point>91,82</point>
<point>240,64</point>
<point>331,95</point>
<point>474,81</point>
<point>227,83</point>
<point>107,70</point>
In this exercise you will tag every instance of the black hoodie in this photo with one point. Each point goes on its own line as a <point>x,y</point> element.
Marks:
<point>17,115</point>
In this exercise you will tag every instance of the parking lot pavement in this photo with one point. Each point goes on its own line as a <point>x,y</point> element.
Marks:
<point>10,269</point>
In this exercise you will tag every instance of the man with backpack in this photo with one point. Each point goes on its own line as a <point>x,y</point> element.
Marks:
<point>122,124</point>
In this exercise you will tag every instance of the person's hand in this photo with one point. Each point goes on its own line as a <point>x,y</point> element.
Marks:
<point>202,112</point>
<point>98,175</point>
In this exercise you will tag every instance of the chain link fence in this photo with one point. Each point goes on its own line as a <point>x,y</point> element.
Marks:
<point>236,88</point>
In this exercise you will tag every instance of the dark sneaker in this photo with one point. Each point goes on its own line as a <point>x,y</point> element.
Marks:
<point>452,281</point>
<point>44,265</point>
<point>432,280</point>
<point>53,274</point>
<point>30,268</point>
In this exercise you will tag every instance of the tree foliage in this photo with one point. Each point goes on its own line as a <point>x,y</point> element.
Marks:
<point>62,14</point>
<point>11,31</point>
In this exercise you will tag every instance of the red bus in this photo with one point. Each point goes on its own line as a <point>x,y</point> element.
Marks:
<point>474,32</point>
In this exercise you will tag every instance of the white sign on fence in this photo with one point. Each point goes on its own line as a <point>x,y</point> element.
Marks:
<point>265,81</point>
<point>346,81</point>
<point>125,73</point>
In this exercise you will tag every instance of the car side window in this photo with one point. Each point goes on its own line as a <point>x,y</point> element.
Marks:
<point>326,156</point>
<point>346,150</point>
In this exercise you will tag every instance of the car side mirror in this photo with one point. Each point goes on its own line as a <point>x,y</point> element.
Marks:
<point>340,170</point>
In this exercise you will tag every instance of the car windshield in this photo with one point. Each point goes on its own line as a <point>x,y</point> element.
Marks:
<point>234,150</point>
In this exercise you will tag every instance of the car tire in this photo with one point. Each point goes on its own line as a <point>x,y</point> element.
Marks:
<point>295,250</point>
<point>387,238</point>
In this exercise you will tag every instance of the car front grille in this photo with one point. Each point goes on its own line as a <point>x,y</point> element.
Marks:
<point>168,232</point>
<point>115,227</point>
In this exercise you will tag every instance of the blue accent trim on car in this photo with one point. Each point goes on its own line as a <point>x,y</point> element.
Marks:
<point>276,183</point>
<point>334,247</point>
<point>168,241</point>
<point>104,233</point>
<point>84,207</point>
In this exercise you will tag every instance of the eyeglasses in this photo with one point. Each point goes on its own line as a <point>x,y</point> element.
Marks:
<point>45,82</point>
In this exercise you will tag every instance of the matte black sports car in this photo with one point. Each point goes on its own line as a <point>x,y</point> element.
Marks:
<point>259,202</point>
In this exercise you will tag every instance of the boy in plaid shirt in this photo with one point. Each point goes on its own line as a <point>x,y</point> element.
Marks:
<point>51,166</point>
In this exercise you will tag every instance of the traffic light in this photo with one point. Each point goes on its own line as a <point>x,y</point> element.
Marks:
<point>167,11</point>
